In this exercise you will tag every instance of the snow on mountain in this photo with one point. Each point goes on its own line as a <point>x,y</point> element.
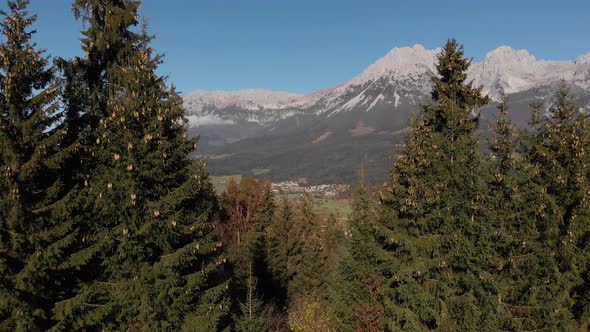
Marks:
<point>410,67</point>
<point>251,105</point>
<point>207,120</point>
<point>403,61</point>
<point>582,71</point>
<point>402,73</point>
<point>506,71</point>
<point>249,99</point>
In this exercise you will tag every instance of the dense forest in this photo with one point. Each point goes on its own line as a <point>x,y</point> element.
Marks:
<point>106,224</point>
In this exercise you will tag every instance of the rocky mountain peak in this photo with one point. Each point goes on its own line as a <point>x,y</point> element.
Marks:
<point>403,73</point>
<point>402,61</point>
<point>506,70</point>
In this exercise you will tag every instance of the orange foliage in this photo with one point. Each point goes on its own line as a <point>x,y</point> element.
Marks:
<point>243,205</point>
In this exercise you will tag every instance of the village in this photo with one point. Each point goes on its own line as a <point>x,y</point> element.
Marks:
<point>326,190</point>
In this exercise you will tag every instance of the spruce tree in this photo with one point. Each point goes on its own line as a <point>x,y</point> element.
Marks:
<point>438,234</point>
<point>527,300</point>
<point>312,258</point>
<point>33,151</point>
<point>157,262</point>
<point>302,256</point>
<point>278,243</point>
<point>359,287</point>
<point>559,149</point>
<point>253,316</point>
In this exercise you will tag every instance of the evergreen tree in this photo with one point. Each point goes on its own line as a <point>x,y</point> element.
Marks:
<point>559,150</point>
<point>312,258</point>
<point>438,235</point>
<point>254,317</point>
<point>302,260</point>
<point>33,150</point>
<point>359,287</point>
<point>527,300</point>
<point>156,261</point>
<point>72,234</point>
<point>278,244</point>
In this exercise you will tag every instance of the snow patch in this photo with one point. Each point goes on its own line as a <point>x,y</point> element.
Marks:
<point>248,99</point>
<point>207,120</point>
<point>322,137</point>
<point>379,98</point>
<point>396,100</point>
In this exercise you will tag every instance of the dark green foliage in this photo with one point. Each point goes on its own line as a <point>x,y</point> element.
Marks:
<point>560,152</point>
<point>310,244</point>
<point>148,254</point>
<point>106,224</point>
<point>32,152</point>
<point>303,278</point>
<point>278,240</point>
<point>439,237</point>
<point>253,316</point>
<point>531,284</point>
<point>359,287</point>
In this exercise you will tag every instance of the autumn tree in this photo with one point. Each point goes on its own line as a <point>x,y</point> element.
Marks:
<point>247,206</point>
<point>248,209</point>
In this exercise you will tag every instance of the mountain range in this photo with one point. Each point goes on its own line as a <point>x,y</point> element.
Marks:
<point>327,135</point>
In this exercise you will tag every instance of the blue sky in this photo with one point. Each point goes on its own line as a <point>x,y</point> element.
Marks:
<point>305,45</point>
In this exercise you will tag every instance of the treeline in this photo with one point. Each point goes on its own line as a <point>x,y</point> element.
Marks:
<point>284,258</point>
<point>106,224</point>
<point>456,239</point>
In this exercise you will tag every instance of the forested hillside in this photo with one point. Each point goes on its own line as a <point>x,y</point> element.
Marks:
<point>106,224</point>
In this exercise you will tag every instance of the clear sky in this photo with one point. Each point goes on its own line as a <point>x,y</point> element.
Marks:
<point>305,45</point>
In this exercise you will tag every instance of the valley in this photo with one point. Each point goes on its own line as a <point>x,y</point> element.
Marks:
<point>327,135</point>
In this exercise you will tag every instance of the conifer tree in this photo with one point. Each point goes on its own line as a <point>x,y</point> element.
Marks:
<point>254,317</point>
<point>438,235</point>
<point>278,242</point>
<point>33,149</point>
<point>527,301</point>
<point>559,149</point>
<point>302,262</point>
<point>359,287</point>
<point>156,258</point>
<point>312,258</point>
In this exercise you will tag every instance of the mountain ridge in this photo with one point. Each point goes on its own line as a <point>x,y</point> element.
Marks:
<point>326,135</point>
<point>504,70</point>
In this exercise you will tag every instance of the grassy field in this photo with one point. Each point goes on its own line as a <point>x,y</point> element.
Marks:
<point>220,182</point>
<point>339,207</point>
<point>260,171</point>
